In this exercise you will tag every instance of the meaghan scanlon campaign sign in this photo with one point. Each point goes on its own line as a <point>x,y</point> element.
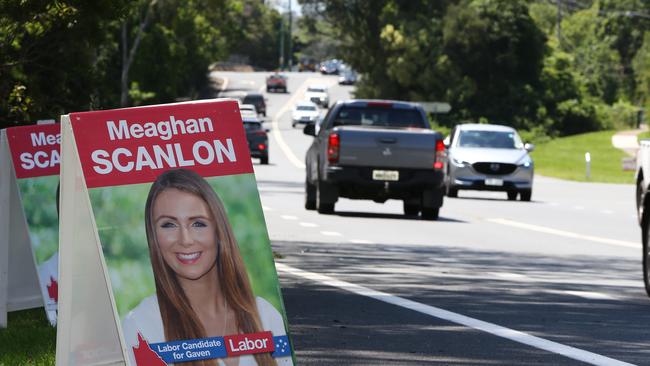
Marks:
<point>29,246</point>
<point>165,256</point>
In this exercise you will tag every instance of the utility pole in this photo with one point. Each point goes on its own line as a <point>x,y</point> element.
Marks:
<point>559,22</point>
<point>281,56</point>
<point>290,54</point>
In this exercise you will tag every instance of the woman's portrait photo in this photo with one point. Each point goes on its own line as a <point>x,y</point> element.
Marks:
<point>202,286</point>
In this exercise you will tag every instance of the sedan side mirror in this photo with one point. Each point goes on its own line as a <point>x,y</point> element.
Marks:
<point>529,147</point>
<point>309,129</point>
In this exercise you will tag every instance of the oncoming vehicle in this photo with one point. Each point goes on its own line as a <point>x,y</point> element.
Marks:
<point>257,100</point>
<point>489,158</point>
<point>247,110</point>
<point>276,82</point>
<point>643,206</point>
<point>304,112</point>
<point>318,94</point>
<point>258,141</point>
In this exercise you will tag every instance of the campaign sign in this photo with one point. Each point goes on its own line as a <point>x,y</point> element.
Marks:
<point>182,237</point>
<point>35,156</point>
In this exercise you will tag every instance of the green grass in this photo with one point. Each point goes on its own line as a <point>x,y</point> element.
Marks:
<point>28,339</point>
<point>565,158</point>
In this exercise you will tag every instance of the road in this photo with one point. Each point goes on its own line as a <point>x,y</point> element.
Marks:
<point>555,281</point>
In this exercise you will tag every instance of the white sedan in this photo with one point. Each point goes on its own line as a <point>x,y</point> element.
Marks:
<point>304,112</point>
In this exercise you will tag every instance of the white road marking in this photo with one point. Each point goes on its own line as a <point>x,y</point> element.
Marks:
<point>308,224</point>
<point>267,208</point>
<point>507,275</point>
<point>578,208</point>
<point>607,212</point>
<point>494,329</point>
<point>553,204</point>
<point>331,233</point>
<point>590,295</point>
<point>567,234</point>
<point>298,163</point>
<point>360,241</point>
<point>289,217</point>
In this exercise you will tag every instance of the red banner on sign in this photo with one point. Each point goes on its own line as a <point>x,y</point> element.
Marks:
<point>245,344</point>
<point>135,145</point>
<point>35,150</point>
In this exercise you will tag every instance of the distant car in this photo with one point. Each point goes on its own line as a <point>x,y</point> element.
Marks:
<point>318,94</point>
<point>307,64</point>
<point>258,140</point>
<point>330,67</point>
<point>276,82</point>
<point>304,112</point>
<point>257,100</point>
<point>489,158</point>
<point>247,110</point>
<point>348,77</point>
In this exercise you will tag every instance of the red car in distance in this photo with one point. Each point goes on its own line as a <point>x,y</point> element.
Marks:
<point>276,82</point>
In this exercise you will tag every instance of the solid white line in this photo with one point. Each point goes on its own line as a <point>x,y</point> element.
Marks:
<point>497,330</point>
<point>266,208</point>
<point>276,127</point>
<point>308,224</point>
<point>607,212</point>
<point>590,295</point>
<point>289,217</point>
<point>360,241</point>
<point>331,233</point>
<point>567,234</point>
<point>300,91</point>
<point>578,208</point>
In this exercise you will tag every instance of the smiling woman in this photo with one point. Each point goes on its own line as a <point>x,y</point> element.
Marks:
<point>202,287</point>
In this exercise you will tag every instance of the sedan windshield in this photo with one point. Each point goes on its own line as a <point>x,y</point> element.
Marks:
<point>490,139</point>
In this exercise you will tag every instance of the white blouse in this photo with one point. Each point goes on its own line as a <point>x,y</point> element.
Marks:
<point>146,319</point>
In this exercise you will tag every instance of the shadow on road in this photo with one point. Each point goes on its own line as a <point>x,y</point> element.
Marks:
<point>525,292</point>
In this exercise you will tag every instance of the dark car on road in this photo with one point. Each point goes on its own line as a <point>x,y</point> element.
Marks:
<point>257,100</point>
<point>258,140</point>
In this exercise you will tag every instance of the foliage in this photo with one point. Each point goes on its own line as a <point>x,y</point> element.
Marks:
<point>65,56</point>
<point>500,60</point>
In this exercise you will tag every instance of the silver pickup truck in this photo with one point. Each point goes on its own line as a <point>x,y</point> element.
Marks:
<point>376,150</point>
<point>643,205</point>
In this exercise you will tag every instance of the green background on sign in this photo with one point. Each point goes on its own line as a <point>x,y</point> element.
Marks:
<point>38,197</point>
<point>119,215</point>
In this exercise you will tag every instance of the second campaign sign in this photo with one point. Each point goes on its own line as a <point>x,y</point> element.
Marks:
<point>184,247</point>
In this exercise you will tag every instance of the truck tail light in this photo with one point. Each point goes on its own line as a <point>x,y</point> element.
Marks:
<point>440,155</point>
<point>333,147</point>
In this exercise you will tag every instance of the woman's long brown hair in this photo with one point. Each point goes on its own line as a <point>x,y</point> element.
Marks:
<point>179,319</point>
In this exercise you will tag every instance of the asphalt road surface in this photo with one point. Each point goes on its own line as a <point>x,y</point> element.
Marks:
<point>555,281</point>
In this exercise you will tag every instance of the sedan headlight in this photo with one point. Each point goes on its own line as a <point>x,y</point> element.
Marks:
<point>526,163</point>
<point>459,163</point>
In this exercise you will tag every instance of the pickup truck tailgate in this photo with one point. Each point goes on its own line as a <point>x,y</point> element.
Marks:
<point>388,148</point>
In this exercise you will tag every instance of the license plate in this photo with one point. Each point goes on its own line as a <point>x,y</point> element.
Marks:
<point>392,175</point>
<point>493,182</point>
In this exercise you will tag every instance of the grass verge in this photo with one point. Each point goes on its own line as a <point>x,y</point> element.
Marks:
<point>28,340</point>
<point>565,158</point>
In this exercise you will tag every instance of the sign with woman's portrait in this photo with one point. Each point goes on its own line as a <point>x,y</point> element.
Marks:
<point>181,237</point>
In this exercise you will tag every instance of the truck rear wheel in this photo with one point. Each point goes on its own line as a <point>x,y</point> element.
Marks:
<point>326,197</point>
<point>411,209</point>
<point>310,195</point>
<point>429,213</point>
